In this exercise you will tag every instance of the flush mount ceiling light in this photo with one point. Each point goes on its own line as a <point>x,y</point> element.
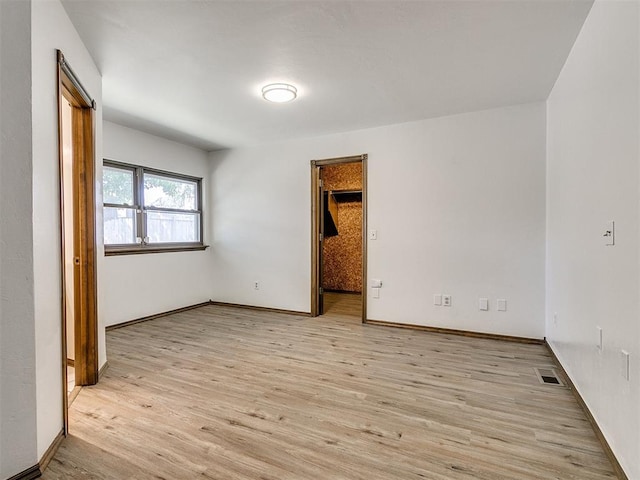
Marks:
<point>279,92</point>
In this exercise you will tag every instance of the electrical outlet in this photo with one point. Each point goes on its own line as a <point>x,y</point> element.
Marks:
<point>446,300</point>
<point>256,285</point>
<point>501,305</point>
<point>555,319</point>
<point>483,304</point>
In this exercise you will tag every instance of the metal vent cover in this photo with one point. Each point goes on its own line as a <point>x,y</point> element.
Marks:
<point>548,376</point>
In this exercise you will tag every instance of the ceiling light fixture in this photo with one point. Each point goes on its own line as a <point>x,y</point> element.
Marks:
<point>279,92</point>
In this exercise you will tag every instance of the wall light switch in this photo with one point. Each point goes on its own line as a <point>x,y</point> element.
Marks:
<point>375,292</point>
<point>437,299</point>
<point>609,233</point>
<point>373,234</point>
<point>483,304</point>
<point>599,338</point>
<point>376,283</point>
<point>501,305</point>
<point>625,366</point>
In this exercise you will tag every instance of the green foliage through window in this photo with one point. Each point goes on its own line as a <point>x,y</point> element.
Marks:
<point>160,191</point>
<point>117,185</point>
<point>168,212</point>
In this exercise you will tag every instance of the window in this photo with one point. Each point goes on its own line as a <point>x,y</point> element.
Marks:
<point>148,210</point>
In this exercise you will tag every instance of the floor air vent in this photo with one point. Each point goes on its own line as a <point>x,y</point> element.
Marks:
<point>548,376</point>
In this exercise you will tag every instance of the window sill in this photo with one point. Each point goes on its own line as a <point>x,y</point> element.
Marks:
<point>137,249</point>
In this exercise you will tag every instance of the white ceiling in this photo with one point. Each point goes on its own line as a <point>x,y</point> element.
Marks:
<point>192,70</point>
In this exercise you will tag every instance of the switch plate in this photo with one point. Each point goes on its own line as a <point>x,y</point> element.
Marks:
<point>599,338</point>
<point>625,365</point>
<point>483,304</point>
<point>376,283</point>
<point>375,292</point>
<point>610,233</point>
<point>373,234</point>
<point>501,305</point>
<point>437,299</point>
<point>446,300</point>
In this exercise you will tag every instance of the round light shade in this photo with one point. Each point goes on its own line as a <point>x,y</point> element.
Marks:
<point>279,92</point>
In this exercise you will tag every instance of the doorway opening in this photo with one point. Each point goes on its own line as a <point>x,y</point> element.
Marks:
<point>338,284</point>
<point>67,191</point>
<point>77,228</point>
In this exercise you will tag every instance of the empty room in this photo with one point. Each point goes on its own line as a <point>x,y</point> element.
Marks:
<point>320,239</point>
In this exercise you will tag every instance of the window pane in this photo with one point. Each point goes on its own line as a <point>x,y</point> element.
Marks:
<point>117,185</point>
<point>165,192</point>
<point>169,227</point>
<point>119,226</point>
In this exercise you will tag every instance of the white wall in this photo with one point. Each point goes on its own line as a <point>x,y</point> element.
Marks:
<point>17,323</point>
<point>593,173</point>
<point>51,29</point>
<point>134,286</point>
<point>458,203</point>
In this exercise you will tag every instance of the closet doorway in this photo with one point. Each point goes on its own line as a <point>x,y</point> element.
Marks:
<point>338,217</point>
<point>76,121</point>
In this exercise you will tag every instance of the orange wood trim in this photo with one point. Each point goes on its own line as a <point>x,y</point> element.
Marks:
<point>36,470</point>
<point>51,451</point>
<point>28,474</point>
<point>85,247</point>
<point>365,161</point>
<point>464,333</point>
<point>333,161</point>
<point>315,231</point>
<point>261,309</point>
<point>198,305</point>
<point>316,216</point>
<point>154,316</point>
<point>63,296</point>
<point>86,329</point>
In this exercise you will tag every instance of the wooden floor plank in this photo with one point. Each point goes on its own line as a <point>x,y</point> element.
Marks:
<point>228,393</point>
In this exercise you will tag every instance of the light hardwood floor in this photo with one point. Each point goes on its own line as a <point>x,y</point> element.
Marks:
<point>343,305</point>
<point>227,393</point>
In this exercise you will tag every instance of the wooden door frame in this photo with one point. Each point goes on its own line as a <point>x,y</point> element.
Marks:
<point>316,216</point>
<point>84,231</point>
